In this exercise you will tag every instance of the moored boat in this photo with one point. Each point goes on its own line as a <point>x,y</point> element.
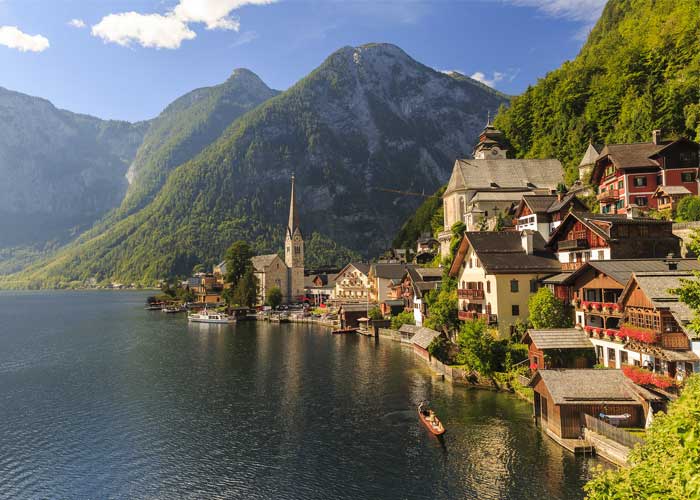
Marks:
<point>342,331</point>
<point>174,309</point>
<point>206,316</point>
<point>430,419</point>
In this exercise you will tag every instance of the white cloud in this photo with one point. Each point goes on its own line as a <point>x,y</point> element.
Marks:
<point>491,82</point>
<point>12,37</point>
<point>244,38</point>
<point>169,30</point>
<point>76,23</point>
<point>587,11</point>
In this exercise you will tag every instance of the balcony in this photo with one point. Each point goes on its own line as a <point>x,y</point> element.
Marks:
<point>675,340</point>
<point>473,315</point>
<point>470,293</point>
<point>604,308</point>
<point>571,266</point>
<point>608,195</point>
<point>575,244</point>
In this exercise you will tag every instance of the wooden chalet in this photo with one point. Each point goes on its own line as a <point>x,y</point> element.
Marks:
<point>421,339</point>
<point>563,397</point>
<point>544,212</point>
<point>629,174</point>
<point>559,348</point>
<point>667,197</point>
<point>584,237</point>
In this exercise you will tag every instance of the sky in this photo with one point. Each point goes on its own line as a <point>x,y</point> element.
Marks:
<point>128,59</point>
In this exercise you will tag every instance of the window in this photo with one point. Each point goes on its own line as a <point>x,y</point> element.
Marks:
<point>514,286</point>
<point>641,201</point>
<point>620,184</point>
<point>515,310</point>
<point>619,204</point>
<point>640,181</point>
<point>659,180</point>
<point>601,255</point>
<point>470,263</point>
<point>624,360</point>
<point>688,158</point>
<point>606,209</point>
<point>533,286</point>
<point>488,287</point>
<point>612,359</point>
<point>688,177</point>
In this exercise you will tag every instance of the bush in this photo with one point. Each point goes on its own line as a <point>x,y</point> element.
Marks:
<point>403,318</point>
<point>688,209</point>
<point>547,311</point>
<point>375,313</point>
<point>274,297</point>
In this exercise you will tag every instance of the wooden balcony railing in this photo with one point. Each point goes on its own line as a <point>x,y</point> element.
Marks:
<point>470,293</point>
<point>575,244</point>
<point>675,340</point>
<point>610,194</point>
<point>571,266</point>
<point>472,315</point>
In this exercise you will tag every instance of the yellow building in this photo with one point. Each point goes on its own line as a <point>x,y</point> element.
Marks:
<point>497,272</point>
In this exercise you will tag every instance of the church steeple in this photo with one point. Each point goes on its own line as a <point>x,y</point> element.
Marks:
<point>294,252</point>
<point>293,223</point>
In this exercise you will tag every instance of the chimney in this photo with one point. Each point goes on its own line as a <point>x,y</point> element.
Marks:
<point>671,262</point>
<point>656,136</point>
<point>527,240</point>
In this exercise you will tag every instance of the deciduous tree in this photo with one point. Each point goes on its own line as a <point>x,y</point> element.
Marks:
<point>547,311</point>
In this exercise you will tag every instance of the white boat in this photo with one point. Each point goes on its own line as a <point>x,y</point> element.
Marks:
<point>206,316</point>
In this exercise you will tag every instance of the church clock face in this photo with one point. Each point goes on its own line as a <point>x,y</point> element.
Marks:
<point>495,151</point>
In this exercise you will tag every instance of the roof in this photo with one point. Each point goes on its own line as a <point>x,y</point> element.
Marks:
<point>389,271</point>
<point>505,173</point>
<point>360,266</point>
<point>502,252</point>
<point>506,196</point>
<point>632,155</point>
<point>394,302</point>
<point>673,190</point>
<point>602,224</point>
<point>565,338</point>
<point>262,262</point>
<point>556,279</point>
<point>424,336</point>
<point>352,307</point>
<point>584,386</point>
<point>621,270</point>
<point>539,203</point>
<point>590,156</point>
<point>410,329</point>
<point>429,272</point>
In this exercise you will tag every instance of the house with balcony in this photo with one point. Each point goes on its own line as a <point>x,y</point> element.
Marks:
<point>352,283</point>
<point>629,174</point>
<point>559,348</point>
<point>585,237</point>
<point>545,212</point>
<point>490,184</point>
<point>416,283</point>
<point>667,197</point>
<point>496,274</point>
<point>383,278</point>
<point>601,310</point>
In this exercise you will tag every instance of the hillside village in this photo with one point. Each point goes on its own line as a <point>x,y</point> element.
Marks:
<point>511,229</point>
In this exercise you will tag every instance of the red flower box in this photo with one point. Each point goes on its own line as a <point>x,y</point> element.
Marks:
<point>616,307</point>
<point>588,328</point>
<point>640,376</point>
<point>641,334</point>
<point>595,306</point>
<point>533,366</point>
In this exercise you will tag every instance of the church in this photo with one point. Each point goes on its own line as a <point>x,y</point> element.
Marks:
<point>288,274</point>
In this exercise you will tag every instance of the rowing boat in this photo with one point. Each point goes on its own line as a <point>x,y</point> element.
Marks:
<point>430,420</point>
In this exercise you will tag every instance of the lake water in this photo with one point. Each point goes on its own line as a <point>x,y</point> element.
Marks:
<point>101,399</point>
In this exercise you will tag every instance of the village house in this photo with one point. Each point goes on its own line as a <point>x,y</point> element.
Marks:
<point>545,212</point>
<point>427,248</point>
<point>562,397</point>
<point>352,283</point>
<point>584,237</point>
<point>416,283</point>
<point>559,348</point>
<point>319,287</point>
<point>288,274</point>
<point>656,315</point>
<point>629,174</point>
<point>383,278</point>
<point>497,272</point>
<point>490,185</point>
<point>667,197</point>
<point>351,315</point>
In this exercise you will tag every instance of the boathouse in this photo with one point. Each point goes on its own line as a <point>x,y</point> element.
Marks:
<point>422,339</point>
<point>559,348</point>
<point>350,314</point>
<point>563,397</point>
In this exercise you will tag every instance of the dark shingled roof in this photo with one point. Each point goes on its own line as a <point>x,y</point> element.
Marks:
<point>424,336</point>
<point>389,271</point>
<point>585,386</point>
<point>539,203</point>
<point>502,252</point>
<point>262,262</point>
<point>632,155</point>
<point>621,270</point>
<point>565,338</point>
<point>603,230</point>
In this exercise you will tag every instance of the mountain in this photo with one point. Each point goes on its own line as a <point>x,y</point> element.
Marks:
<point>59,171</point>
<point>186,127</point>
<point>638,71</point>
<point>369,118</point>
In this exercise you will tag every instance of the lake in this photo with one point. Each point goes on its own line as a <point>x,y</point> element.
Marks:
<point>100,399</point>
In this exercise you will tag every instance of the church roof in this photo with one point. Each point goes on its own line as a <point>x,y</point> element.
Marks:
<point>590,156</point>
<point>505,173</point>
<point>262,262</point>
<point>293,223</point>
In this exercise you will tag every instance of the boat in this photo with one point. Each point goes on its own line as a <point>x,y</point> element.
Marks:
<point>342,331</point>
<point>206,316</point>
<point>430,419</point>
<point>154,306</point>
<point>174,309</point>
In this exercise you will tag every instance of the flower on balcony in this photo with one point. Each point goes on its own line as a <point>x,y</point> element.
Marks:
<point>588,328</point>
<point>584,305</point>
<point>533,366</point>
<point>646,335</point>
<point>596,331</point>
<point>595,306</point>
<point>640,376</point>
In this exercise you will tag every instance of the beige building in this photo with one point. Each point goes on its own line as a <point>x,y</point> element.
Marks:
<point>270,271</point>
<point>497,272</point>
<point>352,283</point>
<point>481,189</point>
<point>383,278</point>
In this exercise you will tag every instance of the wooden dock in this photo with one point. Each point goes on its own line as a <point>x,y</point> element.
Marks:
<point>573,445</point>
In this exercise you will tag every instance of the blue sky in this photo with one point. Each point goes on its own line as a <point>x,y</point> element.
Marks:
<point>127,59</point>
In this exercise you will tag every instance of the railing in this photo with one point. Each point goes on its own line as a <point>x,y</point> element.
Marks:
<point>472,315</point>
<point>574,244</point>
<point>675,340</point>
<point>608,308</point>
<point>611,432</point>
<point>571,266</point>
<point>470,293</point>
<point>609,194</point>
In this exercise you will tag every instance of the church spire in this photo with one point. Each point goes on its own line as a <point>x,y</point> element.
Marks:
<point>293,223</point>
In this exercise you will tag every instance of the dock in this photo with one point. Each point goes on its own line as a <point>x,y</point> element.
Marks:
<point>573,445</point>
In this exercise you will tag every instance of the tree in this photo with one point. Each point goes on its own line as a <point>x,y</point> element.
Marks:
<point>666,465</point>
<point>274,297</point>
<point>237,259</point>
<point>403,318</point>
<point>477,347</point>
<point>688,209</point>
<point>442,309</point>
<point>199,268</point>
<point>375,313</point>
<point>547,311</point>
<point>245,292</point>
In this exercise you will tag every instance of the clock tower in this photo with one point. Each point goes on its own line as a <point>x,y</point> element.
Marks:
<point>491,144</point>
<point>294,253</point>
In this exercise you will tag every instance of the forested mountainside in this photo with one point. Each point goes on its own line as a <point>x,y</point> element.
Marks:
<point>369,117</point>
<point>638,71</point>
